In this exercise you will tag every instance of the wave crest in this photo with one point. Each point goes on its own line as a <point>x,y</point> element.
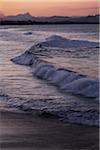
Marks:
<point>65,80</point>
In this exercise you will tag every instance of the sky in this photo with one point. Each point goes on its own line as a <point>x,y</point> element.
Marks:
<point>50,7</point>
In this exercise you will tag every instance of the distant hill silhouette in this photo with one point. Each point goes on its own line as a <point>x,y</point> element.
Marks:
<point>27,19</point>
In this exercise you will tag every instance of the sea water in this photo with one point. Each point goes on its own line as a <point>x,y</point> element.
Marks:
<point>21,90</point>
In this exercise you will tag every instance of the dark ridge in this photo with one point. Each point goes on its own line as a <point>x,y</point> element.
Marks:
<point>43,23</point>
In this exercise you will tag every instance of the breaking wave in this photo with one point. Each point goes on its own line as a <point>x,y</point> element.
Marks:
<point>65,80</point>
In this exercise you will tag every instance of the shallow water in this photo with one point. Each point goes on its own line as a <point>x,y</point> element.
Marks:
<point>17,82</point>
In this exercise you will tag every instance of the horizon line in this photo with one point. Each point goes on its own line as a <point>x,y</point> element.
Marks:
<point>23,13</point>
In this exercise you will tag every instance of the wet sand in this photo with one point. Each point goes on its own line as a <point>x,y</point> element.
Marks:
<point>31,132</point>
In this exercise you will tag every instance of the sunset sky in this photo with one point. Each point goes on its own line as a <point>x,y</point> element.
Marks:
<point>50,7</point>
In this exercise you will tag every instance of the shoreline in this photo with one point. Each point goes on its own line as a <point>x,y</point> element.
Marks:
<point>31,132</point>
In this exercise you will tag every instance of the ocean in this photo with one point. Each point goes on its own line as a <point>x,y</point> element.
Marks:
<point>72,47</point>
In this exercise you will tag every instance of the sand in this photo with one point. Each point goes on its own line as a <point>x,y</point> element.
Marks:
<point>31,132</point>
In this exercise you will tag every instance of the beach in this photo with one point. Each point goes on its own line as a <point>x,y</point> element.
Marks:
<point>31,132</point>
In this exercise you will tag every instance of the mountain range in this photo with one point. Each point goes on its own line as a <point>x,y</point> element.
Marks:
<point>29,19</point>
